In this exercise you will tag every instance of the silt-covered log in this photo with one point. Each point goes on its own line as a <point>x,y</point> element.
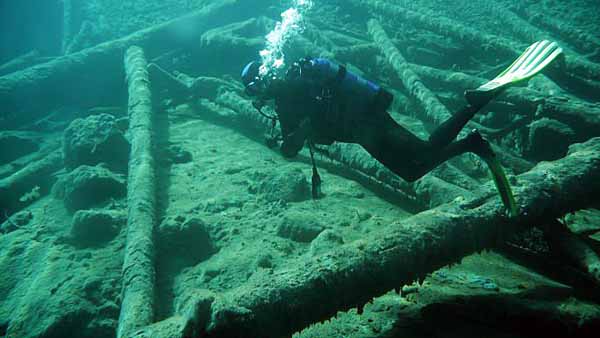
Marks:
<point>92,76</point>
<point>137,306</point>
<point>434,109</point>
<point>580,75</point>
<point>351,275</point>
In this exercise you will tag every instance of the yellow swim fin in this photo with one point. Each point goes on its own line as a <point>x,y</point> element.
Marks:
<point>502,185</point>
<point>533,60</point>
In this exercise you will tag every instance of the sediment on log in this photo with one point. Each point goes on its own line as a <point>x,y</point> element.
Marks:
<point>575,71</point>
<point>137,306</point>
<point>71,11</point>
<point>74,79</point>
<point>435,111</point>
<point>566,244</point>
<point>351,275</point>
<point>20,62</point>
<point>23,181</point>
<point>580,39</point>
<point>80,40</point>
<point>582,116</point>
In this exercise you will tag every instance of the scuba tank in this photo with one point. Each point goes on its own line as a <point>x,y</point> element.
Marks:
<point>357,93</point>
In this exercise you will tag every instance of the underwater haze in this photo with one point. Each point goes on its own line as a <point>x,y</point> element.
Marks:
<point>299,168</point>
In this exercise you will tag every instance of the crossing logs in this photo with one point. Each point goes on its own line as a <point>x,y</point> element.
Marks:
<point>434,109</point>
<point>351,275</point>
<point>576,73</point>
<point>92,76</point>
<point>582,116</point>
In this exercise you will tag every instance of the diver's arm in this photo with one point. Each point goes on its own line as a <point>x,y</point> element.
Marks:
<point>294,141</point>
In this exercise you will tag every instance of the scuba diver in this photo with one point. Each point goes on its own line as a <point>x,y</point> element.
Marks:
<point>321,102</point>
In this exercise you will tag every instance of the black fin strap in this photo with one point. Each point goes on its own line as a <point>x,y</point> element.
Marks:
<point>316,178</point>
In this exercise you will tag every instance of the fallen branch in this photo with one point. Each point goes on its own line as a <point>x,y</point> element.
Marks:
<point>71,21</point>
<point>82,39</point>
<point>137,306</point>
<point>351,275</point>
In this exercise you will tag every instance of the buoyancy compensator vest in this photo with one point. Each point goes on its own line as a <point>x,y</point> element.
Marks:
<point>355,93</point>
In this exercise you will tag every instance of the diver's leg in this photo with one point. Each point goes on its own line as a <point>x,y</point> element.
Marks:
<point>476,144</point>
<point>389,143</point>
<point>413,160</point>
<point>449,129</point>
<point>410,157</point>
<point>472,143</point>
<point>407,155</point>
<point>532,61</point>
<point>403,152</point>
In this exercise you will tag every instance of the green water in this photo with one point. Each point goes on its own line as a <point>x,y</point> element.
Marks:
<point>147,195</point>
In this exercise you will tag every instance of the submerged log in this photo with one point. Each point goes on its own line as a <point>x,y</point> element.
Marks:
<point>38,173</point>
<point>137,306</point>
<point>92,76</point>
<point>20,62</point>
<point>574,72</point>
<point>582,116</point>
<point>435,111</point>
<point>353,274</point>
<point>566,244</point>
<point>582,40</point>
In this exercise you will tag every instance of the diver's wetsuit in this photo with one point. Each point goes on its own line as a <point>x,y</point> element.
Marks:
<point>322,111</point>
